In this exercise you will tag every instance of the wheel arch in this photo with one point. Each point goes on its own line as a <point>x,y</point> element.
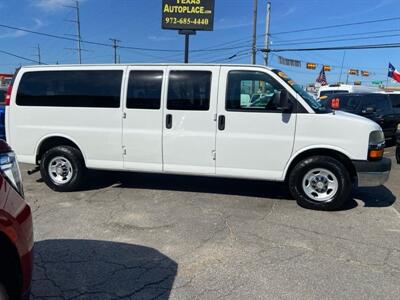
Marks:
<point>334,153</point>
<point>50,141</point>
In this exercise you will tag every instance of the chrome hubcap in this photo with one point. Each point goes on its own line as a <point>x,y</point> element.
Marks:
<point>60,170</point>
<point>320,185</point>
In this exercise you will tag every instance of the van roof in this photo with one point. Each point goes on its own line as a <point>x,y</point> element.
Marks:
<point>346,86</point>
<point>145,64</point>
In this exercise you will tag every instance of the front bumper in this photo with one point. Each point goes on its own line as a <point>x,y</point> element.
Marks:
<point>372,173</point>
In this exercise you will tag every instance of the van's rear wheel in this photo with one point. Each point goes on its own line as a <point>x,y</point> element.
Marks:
<point>320,182</point>
<point>63,168</point>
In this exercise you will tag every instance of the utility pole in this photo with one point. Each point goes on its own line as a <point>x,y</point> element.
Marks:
<point>267,32</point>
<point>341,69</point>
<point>39,55</point>
<point>78,28</point>
<point>254,45</point>
<point>115,46</point>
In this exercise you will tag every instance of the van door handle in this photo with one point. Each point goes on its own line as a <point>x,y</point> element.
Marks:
<point>168,121</point>
<point>221,122</point>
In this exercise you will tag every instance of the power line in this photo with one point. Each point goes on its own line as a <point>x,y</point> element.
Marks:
<point>18,56</point>
<point>356,47</point>
<point>111,45</point>
<point>335,66</point>
<point>337,26</point>
<point>235,56</point>
<point>281,42</point>
<point>340,40</point>
<point>85,41</point>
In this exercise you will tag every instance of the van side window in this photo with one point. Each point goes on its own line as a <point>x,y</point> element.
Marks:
<point>378,101</point>
<point>144,90</point>
<point>189,90</point>
<point>97,89</point>
<point>252,91</point>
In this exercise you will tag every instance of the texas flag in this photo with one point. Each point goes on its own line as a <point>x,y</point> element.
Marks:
<point>393,73</point>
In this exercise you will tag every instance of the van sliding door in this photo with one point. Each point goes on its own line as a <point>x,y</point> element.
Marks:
<point>142,119</point>
<point>189,122</point>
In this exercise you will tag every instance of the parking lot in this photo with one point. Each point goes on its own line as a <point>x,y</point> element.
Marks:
<point>143,236</point>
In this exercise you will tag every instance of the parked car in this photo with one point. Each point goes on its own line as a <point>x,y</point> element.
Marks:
<point>381,108</point>
<point>331,89</point>
<point>16,235</point>
<point>193,120</point>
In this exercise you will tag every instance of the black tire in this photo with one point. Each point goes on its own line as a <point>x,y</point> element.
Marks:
<point>398,153</point>
<point>74,157</point>
<point>300,171</point>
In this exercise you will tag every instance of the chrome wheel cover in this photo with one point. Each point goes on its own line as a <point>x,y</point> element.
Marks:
<point>60,170</point>
<point>320,185</point>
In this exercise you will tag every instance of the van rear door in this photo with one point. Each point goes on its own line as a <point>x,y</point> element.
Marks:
<point>189,123</point>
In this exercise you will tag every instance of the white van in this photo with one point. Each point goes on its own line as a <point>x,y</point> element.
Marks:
<point>327,90</point>
<point>238,121</point>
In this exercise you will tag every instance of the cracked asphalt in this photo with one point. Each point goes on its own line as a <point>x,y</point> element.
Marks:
<point>146,236</point>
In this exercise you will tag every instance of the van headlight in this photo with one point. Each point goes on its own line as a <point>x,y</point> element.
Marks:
<point>10,170</point>
<point>376,145</point>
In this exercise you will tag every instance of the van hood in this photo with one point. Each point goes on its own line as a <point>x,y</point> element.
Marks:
<point>349,118</point>
<point>340,131</point>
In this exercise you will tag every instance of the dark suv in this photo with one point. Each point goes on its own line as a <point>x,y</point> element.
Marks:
<point>384,109</point>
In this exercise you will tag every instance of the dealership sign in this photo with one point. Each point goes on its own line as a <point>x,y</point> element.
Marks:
<point>188,14</point>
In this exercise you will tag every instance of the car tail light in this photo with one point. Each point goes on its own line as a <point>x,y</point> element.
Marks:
<point>10,170</point>
<point>7,100</point>
<point>335,103</point>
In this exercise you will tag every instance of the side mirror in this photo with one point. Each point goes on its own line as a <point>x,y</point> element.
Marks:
<point>369,110</point>
<point>281,101</point>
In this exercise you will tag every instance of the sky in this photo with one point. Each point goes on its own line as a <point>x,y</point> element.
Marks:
<point>137,23</point>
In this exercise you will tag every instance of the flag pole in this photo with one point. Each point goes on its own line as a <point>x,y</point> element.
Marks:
<point>387,78</point>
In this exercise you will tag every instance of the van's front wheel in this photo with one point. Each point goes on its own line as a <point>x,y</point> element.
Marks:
<point>63,168</point>
<point>320,182</point>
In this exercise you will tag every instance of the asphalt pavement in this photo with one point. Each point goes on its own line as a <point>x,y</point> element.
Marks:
<point>144,236</point>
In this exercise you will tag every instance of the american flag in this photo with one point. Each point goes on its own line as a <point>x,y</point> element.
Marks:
<point>322,77</point>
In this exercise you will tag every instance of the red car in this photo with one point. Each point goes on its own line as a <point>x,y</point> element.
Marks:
<point>16,233</point>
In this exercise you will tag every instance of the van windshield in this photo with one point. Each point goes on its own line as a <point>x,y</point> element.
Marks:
<point>315,105</point>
